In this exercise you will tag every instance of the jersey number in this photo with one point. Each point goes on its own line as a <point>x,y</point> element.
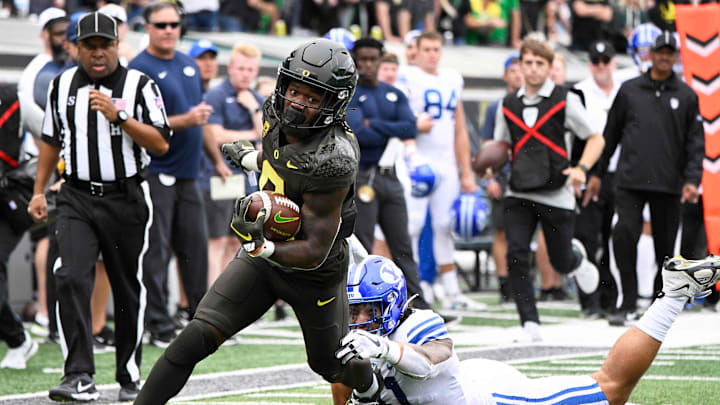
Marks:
<point>434,103</point>
<point>269,174</point>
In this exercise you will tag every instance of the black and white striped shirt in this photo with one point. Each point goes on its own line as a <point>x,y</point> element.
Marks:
<point>94,149</point>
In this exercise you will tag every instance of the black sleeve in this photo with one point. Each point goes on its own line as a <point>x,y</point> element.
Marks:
<point>613,130</point>
<point>694,143</point>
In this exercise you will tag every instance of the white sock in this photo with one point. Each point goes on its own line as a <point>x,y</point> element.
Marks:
<point>450,283</point>
<point>370,391</point>
<point>660,316</point>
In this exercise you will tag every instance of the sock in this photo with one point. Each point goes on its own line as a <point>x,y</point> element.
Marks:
<point>370,391</point>
<point>660,316</point>
<point>450,282</point>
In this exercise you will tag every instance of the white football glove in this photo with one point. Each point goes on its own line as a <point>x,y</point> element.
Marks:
<point>360,344</point>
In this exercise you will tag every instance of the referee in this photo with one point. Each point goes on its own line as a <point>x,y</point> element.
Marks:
<point>104,119</point>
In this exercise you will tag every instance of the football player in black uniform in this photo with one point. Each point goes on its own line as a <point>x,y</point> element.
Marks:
<point>311,156</point>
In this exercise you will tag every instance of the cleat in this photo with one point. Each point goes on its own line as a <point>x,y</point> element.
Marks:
<point>586,274</point>
<point>16,358</point>
<point>688,278</point>
<point>75,387</point>
<point>461,302</point>
<point>624,318</point>
<point>128,392</point>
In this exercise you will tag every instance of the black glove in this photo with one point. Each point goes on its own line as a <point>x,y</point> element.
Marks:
<point>250,233</point>
<point>236,151</point>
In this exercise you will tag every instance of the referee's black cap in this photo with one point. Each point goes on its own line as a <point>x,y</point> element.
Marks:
<point>97,25</point>
<point>665,39</point>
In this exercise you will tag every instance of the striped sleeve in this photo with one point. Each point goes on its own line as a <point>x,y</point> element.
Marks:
<point>428,328</point>
<point>153,110</point>
<point>51,132</point>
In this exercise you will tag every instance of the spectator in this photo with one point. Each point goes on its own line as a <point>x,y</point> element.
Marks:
<point>264,86</point>
<point>416,14</point>
<point>178,216</point>
<point>589,17</point>
<point>485,21</point>
<point>104,190</point>
<point>531,15</point>
<point>657,115</point>
<point>201,15</point>
<point>248,15</point>
<point>497,185</point>
<point>120,15</point>
<point>388,69</point>
<point>628,14</point>
<point>437,92</point>
<point>542,183</point>
<point>379,115</point>
<point>205,54</point>
<point>238,119</point>
<point>383,15</point>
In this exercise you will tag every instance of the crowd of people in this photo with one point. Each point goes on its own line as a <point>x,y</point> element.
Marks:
<point>145,157</point>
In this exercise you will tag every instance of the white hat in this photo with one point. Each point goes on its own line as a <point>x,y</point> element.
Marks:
<point>50,14</point>
<point>411,36</point>
<point>114,11</point>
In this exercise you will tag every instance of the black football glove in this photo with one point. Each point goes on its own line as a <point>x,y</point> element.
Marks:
<point>236,151</point>
<point>250,232</point>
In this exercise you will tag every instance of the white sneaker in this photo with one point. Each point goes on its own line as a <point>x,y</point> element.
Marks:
<point>17,357</point>
<point>688,278</point>
<point>586,275</point>
<point>530,333</point>
<point>461,302</point>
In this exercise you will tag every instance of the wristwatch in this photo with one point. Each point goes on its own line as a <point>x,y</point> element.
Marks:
<point>122,116</point>
<point>583,168</point>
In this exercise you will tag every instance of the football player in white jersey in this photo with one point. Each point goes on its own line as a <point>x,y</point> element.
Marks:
<point>436,92</point>
<point>413,353</point>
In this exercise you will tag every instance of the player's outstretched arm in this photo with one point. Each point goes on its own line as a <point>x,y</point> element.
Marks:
<point>321,221</point>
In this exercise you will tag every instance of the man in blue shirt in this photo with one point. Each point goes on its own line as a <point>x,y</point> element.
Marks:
<point>236,115</point>
<point>178,214</point>
<point>376,113</point>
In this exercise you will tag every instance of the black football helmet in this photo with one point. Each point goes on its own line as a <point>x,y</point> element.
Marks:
<point>326,66</point>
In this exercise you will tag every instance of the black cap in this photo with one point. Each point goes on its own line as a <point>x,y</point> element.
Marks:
<point>601,48</point>
<point>665,39</point>
<point>97,25</point>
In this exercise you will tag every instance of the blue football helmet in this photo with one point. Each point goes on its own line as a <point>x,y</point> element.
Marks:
<point>469,216</point>
<point>379,282</point>
<point>641,40</point>
<point>423,180</point>
<point>342,37</point>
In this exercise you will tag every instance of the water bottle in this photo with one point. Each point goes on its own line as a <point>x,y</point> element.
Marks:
<point>356,31</point>
<point>280,28</point>
<point>376,32</point>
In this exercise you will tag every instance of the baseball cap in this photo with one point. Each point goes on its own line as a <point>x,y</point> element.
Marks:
<point>71,33</point>
<point>511,60</point>
<point>601,48</point>
<point>665,39</point>
<point>115,11</point>
<point>201,46</point>
<point>97,25</point>
<point>51,14</point>
<point>411,36</point>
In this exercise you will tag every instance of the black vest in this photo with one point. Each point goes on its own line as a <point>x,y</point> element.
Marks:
<point>10,136</point>
<point>539,153</point>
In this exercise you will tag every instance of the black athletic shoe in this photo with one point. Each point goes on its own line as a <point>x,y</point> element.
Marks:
<point>162,340</point>
<point>182,317</point>
<point>129,391</point>
<point>75,387</point>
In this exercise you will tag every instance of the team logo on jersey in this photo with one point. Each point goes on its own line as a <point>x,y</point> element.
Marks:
<point>530,115</point>
<point>189,71</point>
<point>229,100</point>
<point>391,96</point>
<point>162,74</point>
<point>362,98</point>
<point>266,128</point>
<point>674,103</point>
<point>71,101</point>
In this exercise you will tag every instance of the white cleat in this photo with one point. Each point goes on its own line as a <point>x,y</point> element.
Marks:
<point>586,275</point>
<point>16,358</point>
<point>461,302</point>
<point>688,278</point>
<point>530,333</point>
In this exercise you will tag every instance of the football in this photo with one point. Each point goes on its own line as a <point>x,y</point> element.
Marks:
<point>492,154</point>
<point>283,215</point>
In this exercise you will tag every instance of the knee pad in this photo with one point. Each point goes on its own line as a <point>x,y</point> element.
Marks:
<point>195,342</point>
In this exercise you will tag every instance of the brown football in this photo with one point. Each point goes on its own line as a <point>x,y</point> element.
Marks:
<point>283,215</point>
<point>492,154</point>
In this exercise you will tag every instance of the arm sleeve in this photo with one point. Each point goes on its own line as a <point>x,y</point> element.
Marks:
<point>51,130</point>
<point>502,132</point>
<point>694,143</point>
<point>489,124</point>
<point>366,136</point>
<point>152,109</point>
<point>213,98</point>
<point>576,117</point>
<point>613,130</point>
<point>404,127</point>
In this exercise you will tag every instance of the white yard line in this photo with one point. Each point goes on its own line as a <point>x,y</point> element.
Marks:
<point>600,362</point>
<point>182,399</point>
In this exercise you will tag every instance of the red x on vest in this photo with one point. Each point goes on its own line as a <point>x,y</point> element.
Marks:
<point>6,116</point>
<point>533,132</point>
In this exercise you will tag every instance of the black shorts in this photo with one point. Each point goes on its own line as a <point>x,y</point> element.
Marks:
<point>250,286</point>
<point>218,214</point>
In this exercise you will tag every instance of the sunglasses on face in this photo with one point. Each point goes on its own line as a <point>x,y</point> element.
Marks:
<point>163,25</point>
<point>596,60</point>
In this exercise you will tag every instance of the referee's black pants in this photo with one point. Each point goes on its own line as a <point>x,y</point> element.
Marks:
<point>116,224</point>
<point>664,218</point>
<point>178,227</point>
<point>388,209</point>
<point>11,329</point>
<point>521,219</point>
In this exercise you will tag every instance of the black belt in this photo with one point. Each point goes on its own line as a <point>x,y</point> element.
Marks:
<point>102,188</point>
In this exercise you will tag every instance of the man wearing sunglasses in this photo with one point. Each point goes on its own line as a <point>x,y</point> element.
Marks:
<point>178,214</point>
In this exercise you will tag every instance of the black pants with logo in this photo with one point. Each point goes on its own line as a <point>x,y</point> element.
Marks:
<point>521,219</point>
<point>116,224</point>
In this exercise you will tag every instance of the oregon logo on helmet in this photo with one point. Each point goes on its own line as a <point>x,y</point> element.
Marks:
<point>306,73</point>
